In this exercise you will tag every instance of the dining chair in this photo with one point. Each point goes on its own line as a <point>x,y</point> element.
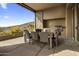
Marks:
<point>34,36</point>
<point>44,37</point>
<point>26,35</point>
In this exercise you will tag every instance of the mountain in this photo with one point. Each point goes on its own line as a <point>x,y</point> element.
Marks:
<point>21,26</point>
<point>15,31</point>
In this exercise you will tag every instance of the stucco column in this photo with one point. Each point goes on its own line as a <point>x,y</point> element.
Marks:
<point>66,19</point>
<point>75,16</point>
<point>68,22</point>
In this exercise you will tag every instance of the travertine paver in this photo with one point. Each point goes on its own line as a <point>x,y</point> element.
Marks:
<point>68,48</point>
<point>17,47</point>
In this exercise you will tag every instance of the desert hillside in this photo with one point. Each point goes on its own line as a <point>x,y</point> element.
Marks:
<point>20,26</point>
<point>15,31</point>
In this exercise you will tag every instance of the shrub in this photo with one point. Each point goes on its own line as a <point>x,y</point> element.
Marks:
<point>2,34</point>
<point>8,32</point>
<point>15,29</point>
<point>30,27</point>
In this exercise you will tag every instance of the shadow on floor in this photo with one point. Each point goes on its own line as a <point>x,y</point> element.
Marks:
<point>34,50</point>
<point>21,50</point>
<point>69,45</point>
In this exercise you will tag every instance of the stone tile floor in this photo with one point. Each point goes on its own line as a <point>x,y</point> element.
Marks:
<point>17,47</point>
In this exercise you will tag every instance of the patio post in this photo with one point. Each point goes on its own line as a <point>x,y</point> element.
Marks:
<point>76,24</point>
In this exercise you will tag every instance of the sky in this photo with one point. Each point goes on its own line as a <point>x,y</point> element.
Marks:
<point>12,14</point>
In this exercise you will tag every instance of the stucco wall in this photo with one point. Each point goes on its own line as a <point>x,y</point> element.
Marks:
<point>52,13</point>
<point>55,12</point>
<point>69,23</point>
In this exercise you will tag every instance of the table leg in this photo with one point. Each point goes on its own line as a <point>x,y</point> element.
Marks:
<point>50,43</point>
<point>56,41</point>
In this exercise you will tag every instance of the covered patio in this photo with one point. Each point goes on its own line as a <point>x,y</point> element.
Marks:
<point>46,17</point>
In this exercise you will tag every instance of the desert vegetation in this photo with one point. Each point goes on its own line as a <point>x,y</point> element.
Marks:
<point>15,31</point>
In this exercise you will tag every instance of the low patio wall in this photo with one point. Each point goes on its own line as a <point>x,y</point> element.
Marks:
<point>11,36</point>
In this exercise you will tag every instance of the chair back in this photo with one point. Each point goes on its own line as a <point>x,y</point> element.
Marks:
<point>26,33</point>
<point>34,35</point>
<point>43,36</point>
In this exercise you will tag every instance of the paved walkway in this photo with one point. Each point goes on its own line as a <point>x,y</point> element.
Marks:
<point>17,47</point>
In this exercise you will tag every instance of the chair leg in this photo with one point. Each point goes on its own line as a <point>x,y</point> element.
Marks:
<point>56,41</point>
<point>48,44</point>
<point>39,43</point>
<point>31,41</point>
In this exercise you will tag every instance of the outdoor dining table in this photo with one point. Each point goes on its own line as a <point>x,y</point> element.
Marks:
<point>51,40</point>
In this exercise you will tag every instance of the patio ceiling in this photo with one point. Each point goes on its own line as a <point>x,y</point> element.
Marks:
<point>40,6</point>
